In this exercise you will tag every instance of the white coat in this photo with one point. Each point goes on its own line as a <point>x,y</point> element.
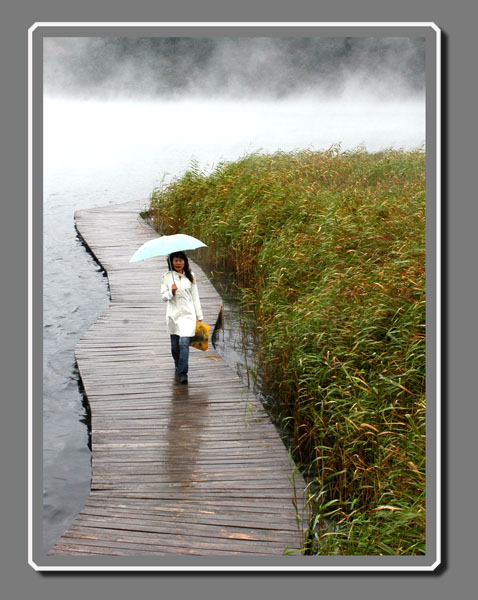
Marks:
<point>184,307</point>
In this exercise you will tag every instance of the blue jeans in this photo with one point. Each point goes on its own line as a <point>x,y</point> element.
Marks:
<point>180,352</point>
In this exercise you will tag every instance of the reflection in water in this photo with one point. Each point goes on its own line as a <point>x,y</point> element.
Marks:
<point>187,420</point>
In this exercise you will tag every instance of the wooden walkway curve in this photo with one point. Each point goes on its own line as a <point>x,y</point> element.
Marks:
<point>194,469</point>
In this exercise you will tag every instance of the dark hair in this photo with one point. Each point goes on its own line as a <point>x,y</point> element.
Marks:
<point>187,269</point>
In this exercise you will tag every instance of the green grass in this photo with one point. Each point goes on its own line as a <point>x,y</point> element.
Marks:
<point>328,250</point>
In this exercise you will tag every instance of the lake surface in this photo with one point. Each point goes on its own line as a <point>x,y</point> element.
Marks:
<point>100,153</point>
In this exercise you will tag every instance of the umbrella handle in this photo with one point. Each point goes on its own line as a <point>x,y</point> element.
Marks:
<point>171,268</point>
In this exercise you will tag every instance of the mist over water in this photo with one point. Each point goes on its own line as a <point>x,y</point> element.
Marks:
<point>236,67</point>
<point>173,99</point>
<point>114,131</point>
<point>149,139</point>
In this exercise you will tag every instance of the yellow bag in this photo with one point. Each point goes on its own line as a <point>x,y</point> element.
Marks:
<point>201,337</point>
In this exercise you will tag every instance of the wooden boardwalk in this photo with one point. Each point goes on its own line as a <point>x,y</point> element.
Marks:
<point>192,469</point>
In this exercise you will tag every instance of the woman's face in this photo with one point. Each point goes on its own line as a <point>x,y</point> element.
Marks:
<point>178,264</point>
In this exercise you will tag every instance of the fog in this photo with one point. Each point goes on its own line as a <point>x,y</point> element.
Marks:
<point>227,96</point>
<point>143,143</point>
<point>327,67</point>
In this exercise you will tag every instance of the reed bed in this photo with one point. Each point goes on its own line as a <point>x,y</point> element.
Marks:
<point>328,252</point>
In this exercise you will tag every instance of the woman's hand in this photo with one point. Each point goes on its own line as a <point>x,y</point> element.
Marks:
<point>174,287</point>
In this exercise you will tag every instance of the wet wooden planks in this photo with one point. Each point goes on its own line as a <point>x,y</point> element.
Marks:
<point>176,469</point>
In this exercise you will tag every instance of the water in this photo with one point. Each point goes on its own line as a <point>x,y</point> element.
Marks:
<point>100,153</point>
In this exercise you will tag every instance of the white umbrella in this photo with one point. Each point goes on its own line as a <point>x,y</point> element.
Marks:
<point>165,245</point>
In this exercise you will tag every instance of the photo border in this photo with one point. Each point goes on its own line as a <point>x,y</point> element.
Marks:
<point>433,127</point>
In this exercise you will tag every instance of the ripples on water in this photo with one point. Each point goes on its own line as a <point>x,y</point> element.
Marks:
<point>100,153</point>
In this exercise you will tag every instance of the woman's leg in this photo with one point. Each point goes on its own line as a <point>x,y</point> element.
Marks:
<point>183,366</point>
<point>175,349</point>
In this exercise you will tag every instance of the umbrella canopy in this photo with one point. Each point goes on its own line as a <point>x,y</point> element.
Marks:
<point>164,245</point>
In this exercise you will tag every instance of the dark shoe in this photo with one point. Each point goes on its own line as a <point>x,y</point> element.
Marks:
<point>183,379</point>
<point>176,378</point>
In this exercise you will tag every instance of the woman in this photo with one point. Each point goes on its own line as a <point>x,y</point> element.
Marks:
<point>180,291</point>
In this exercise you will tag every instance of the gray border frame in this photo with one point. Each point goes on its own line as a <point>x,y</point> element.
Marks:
<point>41,562</point>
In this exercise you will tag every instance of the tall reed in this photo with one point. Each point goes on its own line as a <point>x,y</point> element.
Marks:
<point>328,249</point>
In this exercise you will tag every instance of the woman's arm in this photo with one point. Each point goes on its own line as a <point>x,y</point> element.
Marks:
<point>197,302</point>
<point>166,293</point>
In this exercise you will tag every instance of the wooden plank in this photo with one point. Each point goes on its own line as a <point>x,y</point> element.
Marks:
<point>185,540</point>
<point>195,469</point>
<point>196,516</point>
